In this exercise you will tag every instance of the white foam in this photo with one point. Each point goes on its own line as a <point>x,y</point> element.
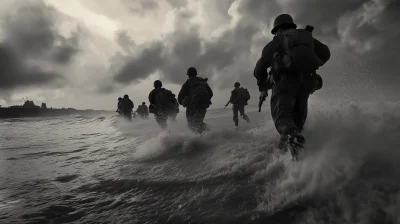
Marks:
<point>346,146</point>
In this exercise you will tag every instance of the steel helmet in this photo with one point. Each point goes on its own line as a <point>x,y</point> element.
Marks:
<point>283,20</point>
<point>157,84</point>
<point>191,71</point>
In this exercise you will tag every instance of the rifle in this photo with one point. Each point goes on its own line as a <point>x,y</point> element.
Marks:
<point>263,95</point>
<point>227,104</point>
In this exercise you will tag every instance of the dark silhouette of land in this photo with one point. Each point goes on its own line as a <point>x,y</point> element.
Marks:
<point>29,109</point>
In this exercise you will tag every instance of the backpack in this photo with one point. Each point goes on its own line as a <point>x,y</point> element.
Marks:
<point>296,53</point>
<point>242,97</point>
<point>141,109</point>
<point>199,94</point>
<point>245,94</point>
<point>164,99</point>
<point>127,105</point>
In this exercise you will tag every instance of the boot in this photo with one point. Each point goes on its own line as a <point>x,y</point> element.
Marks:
<point>246,118</point>
<point>294,144</point>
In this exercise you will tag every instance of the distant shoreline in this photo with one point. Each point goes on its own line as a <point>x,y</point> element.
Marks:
<point>18,112</point>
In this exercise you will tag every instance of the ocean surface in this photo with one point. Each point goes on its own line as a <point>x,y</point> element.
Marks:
<point>103,169</point>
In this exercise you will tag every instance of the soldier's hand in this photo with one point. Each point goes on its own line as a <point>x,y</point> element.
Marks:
<point>263,95</point>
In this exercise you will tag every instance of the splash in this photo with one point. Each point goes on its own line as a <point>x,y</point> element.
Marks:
<point>351,163</point>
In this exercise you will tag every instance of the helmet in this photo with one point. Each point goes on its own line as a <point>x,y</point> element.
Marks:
<point>191,71</point>
<point>157,84</point>
<point>119,98</point>
<point>237,84</point>
<point>126,96</point>
<point>283,20</point>
<point>143,103</point>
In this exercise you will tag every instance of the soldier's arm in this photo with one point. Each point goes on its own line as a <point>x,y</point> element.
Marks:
<point>322,51</point>
<point>266,58</point>
<point>210,92</point>
<point>183,93</point>
<point>151,98</point>
<point>233,96</point>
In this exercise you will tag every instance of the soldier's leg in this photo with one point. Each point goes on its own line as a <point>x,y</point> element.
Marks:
<point>235,114</point>
<point>283,101</point>
<point>198,120</point>
<point>128,116</point>
<point>282,106</point>
<point>161,119</point>
<point>173,115</point>
<point>301,109</point>
<point>242,114</point>
<point>189,118</point>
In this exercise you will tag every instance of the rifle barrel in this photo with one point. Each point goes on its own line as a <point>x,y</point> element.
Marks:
<point>260,104</point>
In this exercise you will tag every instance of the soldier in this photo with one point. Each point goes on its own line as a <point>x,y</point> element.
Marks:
<point>238,99</point>
<point>195,95</point>
<point>294,56</point>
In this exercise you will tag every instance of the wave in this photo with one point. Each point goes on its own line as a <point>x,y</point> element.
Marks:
<point>347,174</point>
<point>349,171</point>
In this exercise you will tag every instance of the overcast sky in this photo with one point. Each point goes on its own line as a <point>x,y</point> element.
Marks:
<point>87,53</point>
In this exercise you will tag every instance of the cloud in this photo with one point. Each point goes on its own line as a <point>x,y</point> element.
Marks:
<point>362,35</point>
<point>125,41</point>
<point>368,41</point>
<point>31,31</point>
<point>14,73</point>
<point>30,43</point>
<point>259,11</point>
<point>149,4</point>
<point>140,66</point>
<point>184,47</point>
<point>142,6</point>
<point>63,53</point>
<point>177,3</point>
<point>222,39</point>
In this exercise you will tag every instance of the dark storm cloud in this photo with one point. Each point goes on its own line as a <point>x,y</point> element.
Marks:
<point>363,36</point>
<point>66,50</point>
<point>125,41</point>
<point>140,66</point>
<point>30,35</point>
<point>14,73</point>
<point>184,48</point>
<point>30,29</point>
